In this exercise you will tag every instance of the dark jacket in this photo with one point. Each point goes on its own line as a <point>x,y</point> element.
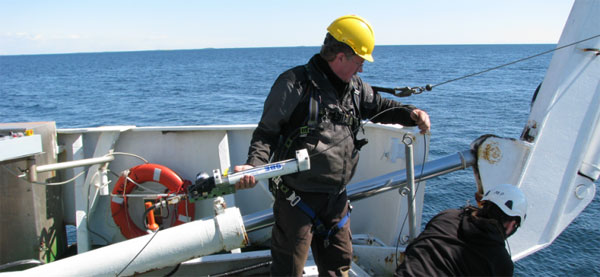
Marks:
<point>456,243</point>
<point>287,108</point>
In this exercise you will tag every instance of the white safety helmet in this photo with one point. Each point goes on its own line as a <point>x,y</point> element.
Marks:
<point>509,199</point>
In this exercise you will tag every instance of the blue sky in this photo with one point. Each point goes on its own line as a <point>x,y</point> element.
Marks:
<point>61,26</point>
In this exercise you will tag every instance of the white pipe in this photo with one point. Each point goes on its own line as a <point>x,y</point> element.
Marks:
<point>71,164</point>
<point>167,248</point>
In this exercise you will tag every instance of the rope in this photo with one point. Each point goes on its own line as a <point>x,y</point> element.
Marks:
<point>61,183</point>
<point>23,175</point>
<point>130,154</point>
<point>514,62</point>
<point>138,253</point>
<point>407,91</point>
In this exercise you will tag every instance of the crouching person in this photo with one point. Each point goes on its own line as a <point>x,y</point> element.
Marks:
<point>468,241</point>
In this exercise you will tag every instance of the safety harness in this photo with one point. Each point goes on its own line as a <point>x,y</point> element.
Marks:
<point>338,116</point>
<point>318,226</point>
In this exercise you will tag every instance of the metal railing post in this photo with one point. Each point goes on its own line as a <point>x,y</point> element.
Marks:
<point>408,141</point>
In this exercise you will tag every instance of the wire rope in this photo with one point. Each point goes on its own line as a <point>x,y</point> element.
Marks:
<point>514,62</point>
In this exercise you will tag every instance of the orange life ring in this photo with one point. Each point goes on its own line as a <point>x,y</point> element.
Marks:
<point>140,174</point>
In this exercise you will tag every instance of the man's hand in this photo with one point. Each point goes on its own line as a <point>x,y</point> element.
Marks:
<point>247,181</point>
<point>422,119</point>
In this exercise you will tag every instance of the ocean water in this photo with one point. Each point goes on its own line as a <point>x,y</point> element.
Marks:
<point>228,86</point>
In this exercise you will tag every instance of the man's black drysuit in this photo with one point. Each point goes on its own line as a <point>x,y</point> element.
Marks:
<point>310,107</point>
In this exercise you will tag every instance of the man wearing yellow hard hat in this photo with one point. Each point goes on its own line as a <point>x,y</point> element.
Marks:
<point>319,106</point>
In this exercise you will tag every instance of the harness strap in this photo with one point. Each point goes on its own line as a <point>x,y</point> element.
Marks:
<point>313,105</point>
<point>313,114</point>
<point>312,121</point>
<point>320,229</point>
<point>358,143</point>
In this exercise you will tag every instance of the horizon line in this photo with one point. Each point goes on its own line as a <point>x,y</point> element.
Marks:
<point>261,47</point>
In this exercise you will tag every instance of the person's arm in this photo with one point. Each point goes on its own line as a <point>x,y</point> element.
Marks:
<point>382,110</point>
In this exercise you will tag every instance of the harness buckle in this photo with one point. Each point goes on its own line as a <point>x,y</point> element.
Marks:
<point>293,198</point>
<point>276,180</point>
<point>304,130</point>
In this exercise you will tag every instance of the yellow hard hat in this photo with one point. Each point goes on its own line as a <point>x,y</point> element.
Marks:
<point>356,32</point>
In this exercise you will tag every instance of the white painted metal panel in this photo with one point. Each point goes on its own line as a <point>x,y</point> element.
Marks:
<point>20,147</point>
<point>566,112</point>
